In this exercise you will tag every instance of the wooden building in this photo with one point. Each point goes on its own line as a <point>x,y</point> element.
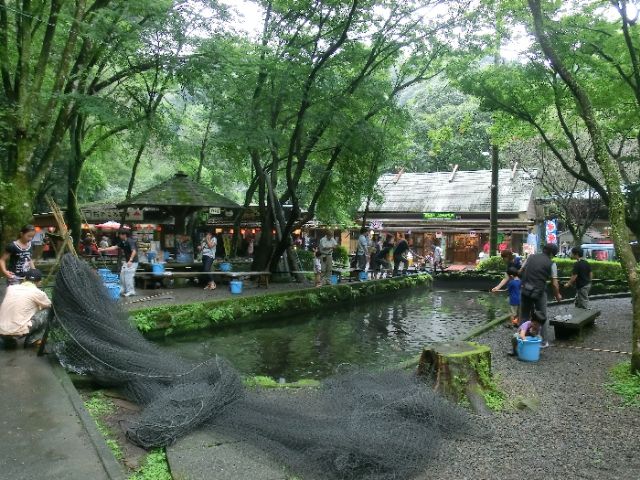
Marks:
<point>452,209</point>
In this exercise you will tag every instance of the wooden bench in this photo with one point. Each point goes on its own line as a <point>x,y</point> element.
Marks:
<point>565,327</point>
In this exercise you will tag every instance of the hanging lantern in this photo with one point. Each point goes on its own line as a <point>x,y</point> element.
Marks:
<point>38,229</point>
<point>242,231</point>
<point>159,228</point>
<point>253,231</point>
<point>138,227</point>
<point>231,231</point>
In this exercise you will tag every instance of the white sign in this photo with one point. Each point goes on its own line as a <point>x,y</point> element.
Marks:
<point>214,211</point>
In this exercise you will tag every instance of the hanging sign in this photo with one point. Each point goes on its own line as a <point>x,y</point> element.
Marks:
<point>439,216</point>
<point>551,231</point>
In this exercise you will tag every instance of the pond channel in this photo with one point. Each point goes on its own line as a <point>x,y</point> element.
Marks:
<point>374,334</point>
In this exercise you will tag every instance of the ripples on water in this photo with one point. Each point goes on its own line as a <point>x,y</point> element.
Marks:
<point>376,333</point>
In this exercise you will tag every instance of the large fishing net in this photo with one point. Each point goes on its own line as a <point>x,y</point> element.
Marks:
<point>358,425</point>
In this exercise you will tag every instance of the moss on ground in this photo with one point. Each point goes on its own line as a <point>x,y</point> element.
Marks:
<point>154,467</point>
<point>625,384</point>
<point>196,316</point>
<point>100,407</point>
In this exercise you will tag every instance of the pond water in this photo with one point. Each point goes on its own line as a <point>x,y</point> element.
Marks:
<point>377,333</point>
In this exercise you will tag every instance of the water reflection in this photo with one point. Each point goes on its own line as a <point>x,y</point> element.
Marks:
<point>375,333</point>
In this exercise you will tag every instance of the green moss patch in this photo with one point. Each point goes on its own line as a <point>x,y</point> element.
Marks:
<point>625,384</point>
<point>196,316</point>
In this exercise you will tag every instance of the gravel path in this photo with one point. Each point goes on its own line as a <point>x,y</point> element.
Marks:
<point>576,431</point>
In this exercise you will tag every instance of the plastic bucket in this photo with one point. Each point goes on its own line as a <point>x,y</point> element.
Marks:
<point>103,272</point>
<point>529,349</point>
<point>363,276</point>
<point>334,279</point>
<point>225,267</point>
<point>114,290</point>
<point>111,278</point>
<point>157,269</point>
<point>151,256</point>
<point>184,258</point>
<point>236,286</point>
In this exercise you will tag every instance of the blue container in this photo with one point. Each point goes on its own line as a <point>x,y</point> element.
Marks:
<point>103,272</point>
<point>158,269</point>
<point>184,258</point>
<point>334,279</point>
<point>114,290</point>
<point>529,349</point>
<point>225,267</point>
<point>151,256</point>
<point>236,286</point>
<point>111,278</point>
<point>363,276</point>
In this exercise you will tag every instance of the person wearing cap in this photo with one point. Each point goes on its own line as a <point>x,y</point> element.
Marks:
<point>536,270</point>
<point>24,311</point>
<point>129,247</point>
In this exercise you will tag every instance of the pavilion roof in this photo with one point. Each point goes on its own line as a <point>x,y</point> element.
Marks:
<point>179,191</point>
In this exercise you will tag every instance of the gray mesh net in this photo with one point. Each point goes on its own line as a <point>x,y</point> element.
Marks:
<point>383,425</point>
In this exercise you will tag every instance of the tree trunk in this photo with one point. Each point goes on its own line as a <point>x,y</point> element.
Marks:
<point>610,171</point>
<point>462,371</point>
<point>493,217</point>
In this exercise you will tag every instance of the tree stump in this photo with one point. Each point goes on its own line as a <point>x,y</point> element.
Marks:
<point>462,372</point>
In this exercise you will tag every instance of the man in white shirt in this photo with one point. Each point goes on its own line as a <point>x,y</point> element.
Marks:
<point>327,244</point>
<point>363,249</point>
<point>24,311</point>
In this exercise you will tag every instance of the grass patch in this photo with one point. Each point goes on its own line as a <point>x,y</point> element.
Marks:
<point>268,382</point>
<point>625,384</point>
<point>155,467</point>
<point>99,407</point>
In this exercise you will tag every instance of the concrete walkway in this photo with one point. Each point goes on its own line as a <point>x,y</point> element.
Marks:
<point>46,433</point>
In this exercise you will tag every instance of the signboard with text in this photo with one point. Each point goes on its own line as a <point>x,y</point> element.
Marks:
<point>439,216</point>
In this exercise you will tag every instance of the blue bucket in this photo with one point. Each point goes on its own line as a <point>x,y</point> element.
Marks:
<point>236,286</point>
<point>111,278</point>
<point>529,349</point>
<point>334,279</point>
<point>151,256</point>
<point>157,269</point>
<point>184,258</point>
<point>103,272</point>
<point>363,276</point>
<point>225,267</point>
<point>114,290</point>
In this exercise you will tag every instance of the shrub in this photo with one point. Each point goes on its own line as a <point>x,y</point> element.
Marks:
<point>341,255</point>
<point>306,259</point>
<point>492,264</point>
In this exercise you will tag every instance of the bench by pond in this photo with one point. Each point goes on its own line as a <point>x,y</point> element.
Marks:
<point>572,322</point>
<point>147,279</point>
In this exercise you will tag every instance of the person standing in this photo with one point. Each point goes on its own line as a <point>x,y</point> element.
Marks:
<point>400,255</point>
<point>437,258</point>
<point>581,277</point>
<point>129,247</point>
<point>18,256</point>
<point>536,270</point>
<point>363,250</point>
<point>208,247</point>
<point>326,246</point>
<point>24,311</point>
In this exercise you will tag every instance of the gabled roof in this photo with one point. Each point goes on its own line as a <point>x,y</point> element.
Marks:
<point>467,192</point>
<point>179,191</point>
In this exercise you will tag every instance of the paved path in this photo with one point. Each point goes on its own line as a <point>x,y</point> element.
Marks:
<point>43,435</point>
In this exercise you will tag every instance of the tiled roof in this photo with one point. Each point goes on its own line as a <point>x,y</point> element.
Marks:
<point>179,191</point>
<point>468,192</point>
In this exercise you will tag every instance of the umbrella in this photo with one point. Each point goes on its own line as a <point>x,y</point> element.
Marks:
<point>110,225</point>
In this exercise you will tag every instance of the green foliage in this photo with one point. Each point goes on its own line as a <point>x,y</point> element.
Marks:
<point>493,397</point>
<point>306,258</point>
<point>268,382</point>
<point>100,407</point>
<point>625,384</point>
<point>492,264</point>
<point>601,270</point>
<point>341,255</point>
<point>182,318</point>
<point>155,467</point>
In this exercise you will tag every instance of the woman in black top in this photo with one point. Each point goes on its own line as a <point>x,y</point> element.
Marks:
<point>18,256</point>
